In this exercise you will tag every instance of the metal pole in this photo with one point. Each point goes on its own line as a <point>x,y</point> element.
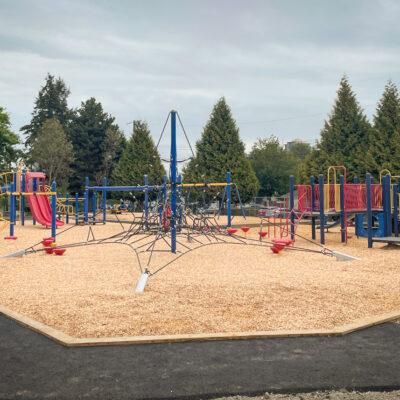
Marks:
<point>228,199</point>
<point>86,201</point>
<point>291,205</point>
<point>104,201</point>
<point>23,189</point>
<point>395,210</point>
<point>173,181</point>
<point>76,208</point>
<point>34,188</point>
<point>146,202</point>
<point>343,235</point>
<point>384,204</point>
<point>12,208</point>
<point>313,228</point>
<point>67,208</point>
<point>388,214</point>
<point>321,209</point>
<point>15,199</point>
<point>369,208</point>
<point>94,206</point>
<point>53,209</point>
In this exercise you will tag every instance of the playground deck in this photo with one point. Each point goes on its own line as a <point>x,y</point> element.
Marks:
<point>223,288</point>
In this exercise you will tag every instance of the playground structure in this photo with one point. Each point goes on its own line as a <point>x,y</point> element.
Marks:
<point>169,227</point>
<point>25,189</point>
<point>373,206</point>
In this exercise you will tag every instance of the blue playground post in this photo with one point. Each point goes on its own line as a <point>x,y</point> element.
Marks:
<point>34,188</point>
<point>67,208</point>
<point>146,201</point>
<point>291,205</point>
<point>369,208</point>
<point>104,200</point>
<point>53,209</point>
<point>180,200</point>
<point>76,208</point>
<point>94,206</point>
<point>313,228</point>
<point>387,208</point>
<point>22,197</point>
<point>173,181</point>
<point>343,237</point>
<point>384,204</point>
<point>228,199</point>
<point>86,202</point>
<point>15,199</point>
<point>59,211</point>
<point>321,209</point>
<point>12,211</point>
<point>395,210</point>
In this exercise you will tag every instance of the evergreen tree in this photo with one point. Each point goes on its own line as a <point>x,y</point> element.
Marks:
<point>344,137</point>
<point>220,150</point>
<point>384,149</point>
<point>139,158</point>
<point>52,152</point>
<point>8,140</point>
<point>50,102</point>
<point>88,133</point>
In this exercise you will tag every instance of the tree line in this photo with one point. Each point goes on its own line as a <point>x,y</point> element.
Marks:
<point>70,144</point>
<point>349,139</point>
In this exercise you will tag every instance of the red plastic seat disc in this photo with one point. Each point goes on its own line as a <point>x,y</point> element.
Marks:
<point>59,251</point>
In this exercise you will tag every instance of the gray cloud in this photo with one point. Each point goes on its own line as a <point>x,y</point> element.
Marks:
<point>277,62</point>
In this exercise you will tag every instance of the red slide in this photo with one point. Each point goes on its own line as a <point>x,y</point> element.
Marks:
<point>39,205</point>
<point>41,210</point>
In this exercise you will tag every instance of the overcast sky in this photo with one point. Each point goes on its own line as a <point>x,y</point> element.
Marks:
<point>278,63</point>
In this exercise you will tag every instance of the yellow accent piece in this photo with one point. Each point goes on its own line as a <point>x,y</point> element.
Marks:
<point>32,193</point>
<point>203,184</point>
<point>333,172</point>
<point>71,199</point>
<point>384,172</point>
<point>64,209</point>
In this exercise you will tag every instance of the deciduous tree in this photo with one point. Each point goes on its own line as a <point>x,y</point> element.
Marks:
<point>52,152</point>
<point>8,140</point>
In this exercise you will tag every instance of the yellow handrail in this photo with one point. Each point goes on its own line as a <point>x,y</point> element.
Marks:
<point>334,170</point>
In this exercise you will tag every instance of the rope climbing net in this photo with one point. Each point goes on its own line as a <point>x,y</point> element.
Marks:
<point>149,238</point>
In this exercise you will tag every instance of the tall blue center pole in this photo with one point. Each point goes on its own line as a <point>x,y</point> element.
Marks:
<point>173,181</point>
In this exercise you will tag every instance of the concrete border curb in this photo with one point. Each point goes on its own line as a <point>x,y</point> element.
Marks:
<point>69,341</point>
